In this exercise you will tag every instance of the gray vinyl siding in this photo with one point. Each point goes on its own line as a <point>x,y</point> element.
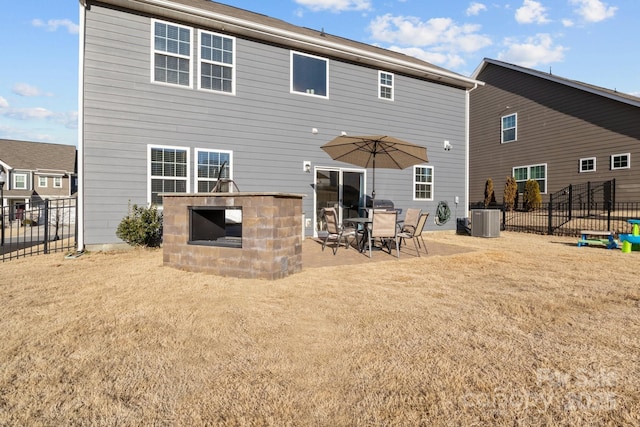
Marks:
<point>268,128</point>
<point>557,125</point>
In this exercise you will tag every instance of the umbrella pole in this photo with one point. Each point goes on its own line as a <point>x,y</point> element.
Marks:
<point>373,191</point>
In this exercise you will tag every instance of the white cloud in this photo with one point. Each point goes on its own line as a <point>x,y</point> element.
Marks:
<point>439,41</point>
<point>24,89</point>
<point>68,119</point>
<point>534,51</point>
<point>54,24</point>
<point>475,8</point>
<point>447,60</point>
<point>593,10</point>
<point>567,22</point>
<point>37,113</point>
<point>531,12</point>
<point>335,5</point>
<point>440,34</point>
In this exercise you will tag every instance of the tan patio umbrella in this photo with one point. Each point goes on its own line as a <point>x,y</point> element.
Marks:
<point>375,151</point>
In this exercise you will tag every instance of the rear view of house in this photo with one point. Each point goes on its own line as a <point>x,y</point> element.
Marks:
<point>176,94</point>
<point>534,125</point>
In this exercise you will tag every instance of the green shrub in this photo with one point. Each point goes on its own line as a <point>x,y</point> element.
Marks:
<point>489,195</point>
<point>141,227</point>
<point>531,197</point>
<point>510,196</point>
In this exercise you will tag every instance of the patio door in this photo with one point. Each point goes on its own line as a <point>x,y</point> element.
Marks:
<point>340,188</point>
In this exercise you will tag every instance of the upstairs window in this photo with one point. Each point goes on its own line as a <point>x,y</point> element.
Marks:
<point>57,182</point>
<point>620,161</point>
<point>385,90</point>
<point>20,181</point>
<point>42,182</point>
<point>588,164</point>
<point>509,128</point>
<point>168,172</point>
<point>208,168</point>
<point>309,75</point>
<point>217,59</point>
<point>171,54</point>
<point>422,183</point>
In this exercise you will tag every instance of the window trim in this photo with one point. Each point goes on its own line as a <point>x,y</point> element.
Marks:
<point>150,176</point>
<point>14,181</point>
<point>291,89</point>
<point>582,169</point>
<point>502,129</point>
<point>41,180</point>
<point>200,32</point>
<point>432,183</point>
<point>154,51</point>
<point>381,85</point>
<point>57,179</point>
<point>197,151</point>
<point>627,155</point>
<point>546,175</point>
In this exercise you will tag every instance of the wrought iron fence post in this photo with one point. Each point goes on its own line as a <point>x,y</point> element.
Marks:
<point>609,205</point>
<point>570,201</point>
<point>46,226</point>
<point>589,198</point>
<point>550,210</point>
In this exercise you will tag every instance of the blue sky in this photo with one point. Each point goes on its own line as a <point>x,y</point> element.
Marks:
<point>594,41</point>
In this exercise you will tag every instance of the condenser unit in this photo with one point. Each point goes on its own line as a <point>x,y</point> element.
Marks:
<point>485,222</point>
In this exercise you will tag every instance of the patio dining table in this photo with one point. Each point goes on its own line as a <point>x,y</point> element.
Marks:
<point>362,225</point>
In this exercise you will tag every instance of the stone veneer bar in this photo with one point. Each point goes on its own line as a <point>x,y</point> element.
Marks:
<point>271,235</point>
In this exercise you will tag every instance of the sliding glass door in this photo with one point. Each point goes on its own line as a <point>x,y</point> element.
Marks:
<point>338,188</point>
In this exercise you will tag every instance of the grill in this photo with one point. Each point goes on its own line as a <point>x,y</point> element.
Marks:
<point>380,204</point>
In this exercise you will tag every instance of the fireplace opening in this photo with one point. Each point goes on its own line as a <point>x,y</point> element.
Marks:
<point>215,226</point>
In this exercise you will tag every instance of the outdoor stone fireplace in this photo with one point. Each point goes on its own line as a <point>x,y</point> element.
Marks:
<point>249,235</point>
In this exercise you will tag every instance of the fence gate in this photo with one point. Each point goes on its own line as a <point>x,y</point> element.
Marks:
<point>573,208</point>
<point>46,226</point>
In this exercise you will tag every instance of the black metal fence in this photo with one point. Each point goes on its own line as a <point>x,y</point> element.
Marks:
<point>570,218</point>
<point>47,226</point>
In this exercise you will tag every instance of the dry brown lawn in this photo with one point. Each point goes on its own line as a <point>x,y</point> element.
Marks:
<point>521,330</point>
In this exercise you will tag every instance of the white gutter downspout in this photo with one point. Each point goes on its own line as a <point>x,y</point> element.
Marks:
<point>81,41</point>
<point>466,148</point>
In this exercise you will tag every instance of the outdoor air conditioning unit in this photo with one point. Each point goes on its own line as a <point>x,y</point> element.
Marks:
<point>485,222</point>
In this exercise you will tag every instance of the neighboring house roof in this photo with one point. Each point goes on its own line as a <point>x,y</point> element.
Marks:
<point>233,20</point>
<point>38,156</point>
<point>608,93</point>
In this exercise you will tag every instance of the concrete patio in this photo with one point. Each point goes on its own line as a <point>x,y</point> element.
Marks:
<point>313,256</point>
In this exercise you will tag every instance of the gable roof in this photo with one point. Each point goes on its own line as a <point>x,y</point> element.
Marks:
<point>38,156</point>
<point>607,93</point>
<point>236,21</point>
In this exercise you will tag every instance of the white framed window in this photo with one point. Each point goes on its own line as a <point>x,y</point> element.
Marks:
<point>171,54</point>
<point>588,164</point>
<point>20,181</point>
<point>536,172</point>
<point>208,166</point>
<point>216,70</point>
<point>423,183</point>
<point>385,88</point>
<point>509,128</point>
<point>168,171</point>
<point>43,182</point>
<point>57,182</point>
<point>621,161</point>
<point>309,75</point>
